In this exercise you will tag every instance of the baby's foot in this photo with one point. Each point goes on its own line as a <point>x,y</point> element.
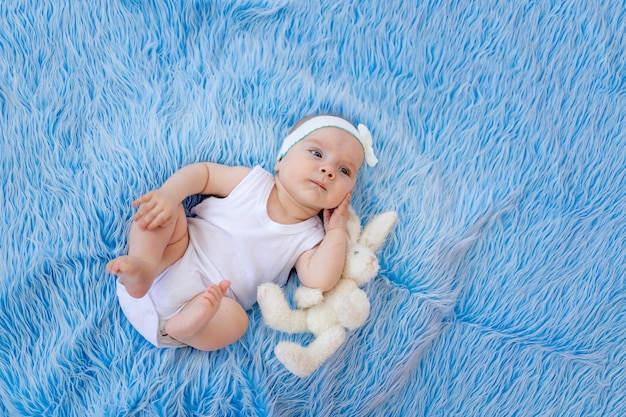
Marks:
<point>198,312</point>
<point>136,274</point>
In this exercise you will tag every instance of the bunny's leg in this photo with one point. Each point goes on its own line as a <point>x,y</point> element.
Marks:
<point>302,361</point>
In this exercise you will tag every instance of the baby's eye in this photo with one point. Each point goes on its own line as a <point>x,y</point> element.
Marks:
<point>344,171</point>
<point>316,153</point>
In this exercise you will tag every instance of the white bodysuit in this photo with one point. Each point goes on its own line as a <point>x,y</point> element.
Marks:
<point>230,238</point>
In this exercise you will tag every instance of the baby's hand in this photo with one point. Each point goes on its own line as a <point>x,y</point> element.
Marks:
<point>337,218</point>
<point>156,209</point>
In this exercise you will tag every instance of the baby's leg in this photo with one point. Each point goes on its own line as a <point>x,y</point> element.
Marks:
<point>209,321</point>
<point>150,252</point>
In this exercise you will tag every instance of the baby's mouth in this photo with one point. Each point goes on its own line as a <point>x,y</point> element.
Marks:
<point>319,184</point>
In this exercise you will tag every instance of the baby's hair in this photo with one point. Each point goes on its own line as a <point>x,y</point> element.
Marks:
<point>300,122</point>
<point>307,118</point>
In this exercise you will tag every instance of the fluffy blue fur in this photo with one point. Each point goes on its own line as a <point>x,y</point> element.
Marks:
<point>500,127</point>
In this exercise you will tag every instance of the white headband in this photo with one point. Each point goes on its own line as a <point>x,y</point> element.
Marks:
<point>362,134</point>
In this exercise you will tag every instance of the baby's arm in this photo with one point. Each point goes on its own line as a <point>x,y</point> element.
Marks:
<point>158,207</point>
<point>321,267</point>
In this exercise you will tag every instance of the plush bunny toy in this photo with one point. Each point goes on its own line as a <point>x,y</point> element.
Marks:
<point>327,315</point>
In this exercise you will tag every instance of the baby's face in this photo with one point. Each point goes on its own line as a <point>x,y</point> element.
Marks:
<point>321,169</point>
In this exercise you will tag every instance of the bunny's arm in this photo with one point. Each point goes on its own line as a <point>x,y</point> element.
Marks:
<point>276,311</point>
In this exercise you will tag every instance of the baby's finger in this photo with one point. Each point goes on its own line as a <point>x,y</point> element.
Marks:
<point>141,200</point>
<point>144,207</point>
<point>210,297</point>
<point>140,213</point>
<point>327,214</point>
<point>143,215</point>
<point>223,285</point>
<point>343,206</point>
<point>160,220</point>
<point>147,217</point>
<point>213,294</point>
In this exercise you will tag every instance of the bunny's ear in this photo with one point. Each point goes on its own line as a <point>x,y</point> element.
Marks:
<point>353,228</point>
<point>376,231</point>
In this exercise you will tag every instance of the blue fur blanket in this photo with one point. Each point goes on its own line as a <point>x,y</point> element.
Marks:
<point>501,132</point>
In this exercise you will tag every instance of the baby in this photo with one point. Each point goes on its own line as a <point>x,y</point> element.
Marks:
<point>189,281</point>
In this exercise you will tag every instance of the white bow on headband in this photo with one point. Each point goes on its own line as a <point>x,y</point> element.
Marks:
<point>368,145</point>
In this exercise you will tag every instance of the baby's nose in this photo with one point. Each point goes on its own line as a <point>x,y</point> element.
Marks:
<point>328,171</point>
